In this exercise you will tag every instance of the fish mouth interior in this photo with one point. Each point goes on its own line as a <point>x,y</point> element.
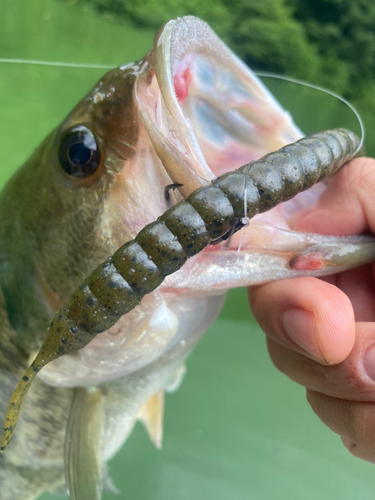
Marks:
<point>205,112</point>
<point>223,112</point>
<point>233,122</point>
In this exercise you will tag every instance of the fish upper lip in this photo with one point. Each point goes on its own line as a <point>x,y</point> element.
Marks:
<point>220,115</point>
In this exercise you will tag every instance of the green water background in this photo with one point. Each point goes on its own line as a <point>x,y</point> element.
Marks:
<point>236,429</point>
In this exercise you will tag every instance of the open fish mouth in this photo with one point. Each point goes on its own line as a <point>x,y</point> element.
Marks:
<point>205,112</point>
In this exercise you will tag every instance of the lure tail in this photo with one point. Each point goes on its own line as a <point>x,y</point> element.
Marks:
<point>83,446</point>
<point>15,405</point>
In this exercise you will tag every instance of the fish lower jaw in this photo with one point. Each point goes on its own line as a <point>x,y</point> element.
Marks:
<point>162,328</point>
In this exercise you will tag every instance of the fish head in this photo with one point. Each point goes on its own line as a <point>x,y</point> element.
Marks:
<point>185,113</point>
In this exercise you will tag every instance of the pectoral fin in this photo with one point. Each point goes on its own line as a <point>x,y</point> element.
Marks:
<point>176,379</point>
<point>83,446</point>
<point>151,414</point>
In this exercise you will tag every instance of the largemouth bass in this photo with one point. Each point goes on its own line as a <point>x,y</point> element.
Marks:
<point>185,114</point>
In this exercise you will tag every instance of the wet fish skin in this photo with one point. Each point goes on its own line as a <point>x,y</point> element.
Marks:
<point>38,267</point>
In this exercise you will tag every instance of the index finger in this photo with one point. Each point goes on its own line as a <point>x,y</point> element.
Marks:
<point>346,207</point>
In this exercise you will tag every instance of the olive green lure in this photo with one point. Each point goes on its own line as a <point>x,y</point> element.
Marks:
<point>162,247</point>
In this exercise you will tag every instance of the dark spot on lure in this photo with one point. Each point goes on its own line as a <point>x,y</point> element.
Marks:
<point>210,213</point>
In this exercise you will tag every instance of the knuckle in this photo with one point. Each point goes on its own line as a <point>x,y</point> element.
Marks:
<point>365,165</point>
<point>277,359</point>
<point>336,377</point>
<point>366,175</point>
<point>367,425</point>
<point>360,168</point>
<point>343,380</point>
<point>358,451</point>
<point>313,398</point>
<point>359,419</point>
<point>253,294</point>
<point>356,176</point>
<point>348,443</point>
<point>260,304</point>
<point>350,415</point>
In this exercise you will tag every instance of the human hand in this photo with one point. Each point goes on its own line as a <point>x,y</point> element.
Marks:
<point>321,333</point>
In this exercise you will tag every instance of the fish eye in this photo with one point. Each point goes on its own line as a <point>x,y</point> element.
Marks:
<point>79,153</point>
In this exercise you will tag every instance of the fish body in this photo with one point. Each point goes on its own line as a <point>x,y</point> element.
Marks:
<point>186,113</point>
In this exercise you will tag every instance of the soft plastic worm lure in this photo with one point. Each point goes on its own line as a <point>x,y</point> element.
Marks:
<point>162,247</point>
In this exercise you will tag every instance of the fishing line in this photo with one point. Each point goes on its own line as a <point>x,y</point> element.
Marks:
<point>258,73</point>
<point>245,219</point>
<point>56,63</point>
<point>322,89</point>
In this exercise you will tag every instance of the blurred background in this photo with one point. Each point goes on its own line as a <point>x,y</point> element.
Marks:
<point>236,428</point>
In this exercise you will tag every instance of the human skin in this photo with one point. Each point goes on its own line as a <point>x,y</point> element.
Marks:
<point>321,332</point>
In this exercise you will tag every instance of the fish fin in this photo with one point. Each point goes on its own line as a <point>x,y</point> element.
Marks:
<point>83,446</point>
<point>108,484</point>
<point>176,379</point>
<point>151,414</point>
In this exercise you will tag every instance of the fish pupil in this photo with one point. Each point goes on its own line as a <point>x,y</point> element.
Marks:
<point>79,153</point>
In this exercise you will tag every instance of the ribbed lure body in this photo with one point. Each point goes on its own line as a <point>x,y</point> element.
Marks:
<point>162,247</point>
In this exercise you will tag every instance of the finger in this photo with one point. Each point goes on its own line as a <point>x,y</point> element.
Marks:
<point>307,315</point>
<point>358,284</point>
<point>358,451</point>
<point>347,206</point>
<point>352,420</point>
<point>353,379</point>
